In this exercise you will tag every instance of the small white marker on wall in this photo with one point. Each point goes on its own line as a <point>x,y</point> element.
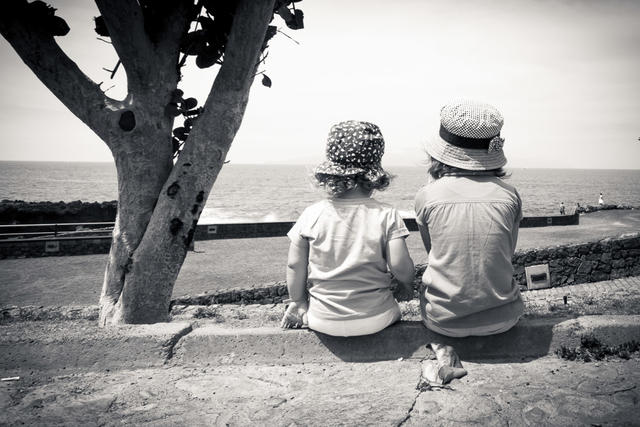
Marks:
<point>537,276</point>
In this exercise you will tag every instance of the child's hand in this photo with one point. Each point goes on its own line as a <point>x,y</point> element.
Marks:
<point>296,315</point>
<point>402,291</point>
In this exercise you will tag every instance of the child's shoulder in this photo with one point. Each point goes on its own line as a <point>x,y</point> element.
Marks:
<point>315,209</point>
<point>382,205</point>
<point>425,192</point>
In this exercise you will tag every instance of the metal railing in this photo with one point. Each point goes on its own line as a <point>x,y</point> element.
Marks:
<point>56,231</point>
<point>103,230</point>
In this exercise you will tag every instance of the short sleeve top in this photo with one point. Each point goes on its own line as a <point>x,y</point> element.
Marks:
<point>348,270</point>
<point>473,223</point>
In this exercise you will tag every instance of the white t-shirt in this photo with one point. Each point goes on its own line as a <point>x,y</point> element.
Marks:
<point>348,270</point>
<point>473,222</point>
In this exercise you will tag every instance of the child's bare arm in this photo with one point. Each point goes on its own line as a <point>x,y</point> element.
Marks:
<point>295,315</point>
<point>401,267</point>
<point>297,268</point>
<point>399,261</point>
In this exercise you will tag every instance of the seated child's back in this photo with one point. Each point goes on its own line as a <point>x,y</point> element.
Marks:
<point>347,261</point>
<point>347,246</point>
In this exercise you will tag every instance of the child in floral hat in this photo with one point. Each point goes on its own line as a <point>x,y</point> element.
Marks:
<point>345,248</point>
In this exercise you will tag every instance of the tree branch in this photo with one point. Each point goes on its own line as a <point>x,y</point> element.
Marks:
<point>125,23</point>
<point>148,46</point>
<point>40,52</point>
<point>229,94</point>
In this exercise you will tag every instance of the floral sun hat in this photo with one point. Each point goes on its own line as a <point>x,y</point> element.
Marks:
<point>354,147</point>
<point>469,137</point>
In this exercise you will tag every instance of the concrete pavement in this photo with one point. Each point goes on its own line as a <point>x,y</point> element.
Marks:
<point>230,365</point>
<point>533,392</point>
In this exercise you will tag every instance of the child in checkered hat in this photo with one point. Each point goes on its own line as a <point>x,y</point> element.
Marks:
<point>469,219</point>
<point>344,249</point>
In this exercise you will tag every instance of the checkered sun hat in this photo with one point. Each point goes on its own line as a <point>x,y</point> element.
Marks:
<point>354,147</point>
<point>469,137</point>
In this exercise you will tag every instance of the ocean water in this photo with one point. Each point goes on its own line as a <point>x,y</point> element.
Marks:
<point>253,193</point>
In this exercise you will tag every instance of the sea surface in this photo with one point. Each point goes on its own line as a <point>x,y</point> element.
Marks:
<point>253,193</point>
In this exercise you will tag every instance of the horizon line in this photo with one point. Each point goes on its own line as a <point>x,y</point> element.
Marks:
<point>311,164</point>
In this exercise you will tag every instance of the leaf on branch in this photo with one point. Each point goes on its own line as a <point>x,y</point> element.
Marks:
<point>176,96</point>
<point>43,17</point>
<point>298,21</point>
<point>193,113</point>
<point>271,31</point>
<point>193,43</point>
<point>266,81</point>
<point>175,143</point>
<point>180,133</point>
<point>189,103</point>
<point>208,57</point>
<point>40,8</point>
<point>188,123</point>
<point>172,110</point>
<point>101,27</point>
<point>58,26</point>
<point>221,10</point>
<point>285,13</point>
<point>207,24</point>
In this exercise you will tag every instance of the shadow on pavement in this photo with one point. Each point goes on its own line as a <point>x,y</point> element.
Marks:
<point>530,338</point>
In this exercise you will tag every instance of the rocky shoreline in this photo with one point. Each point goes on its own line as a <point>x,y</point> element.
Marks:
<point>590,208</point>
<point>21,212</point>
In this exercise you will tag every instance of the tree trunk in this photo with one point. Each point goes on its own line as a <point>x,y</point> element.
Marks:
<point>141,175</point>
<point>158,204</point>
<point>155,228</point>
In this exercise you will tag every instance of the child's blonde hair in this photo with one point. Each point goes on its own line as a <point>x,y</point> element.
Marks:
<point>337,185</point>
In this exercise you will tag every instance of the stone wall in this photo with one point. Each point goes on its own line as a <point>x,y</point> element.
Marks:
<point>568,265</point>
<point>584,262</point>
<point>269,294</point>
<point>21,212</point>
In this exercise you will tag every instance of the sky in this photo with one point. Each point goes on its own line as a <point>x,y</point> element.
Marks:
<point>564,73</point>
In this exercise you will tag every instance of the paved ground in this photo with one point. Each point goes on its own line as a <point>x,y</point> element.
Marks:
<point>218,264</point>
<point>544,391</point>
<point>217,386</point>
<point>178,388</point>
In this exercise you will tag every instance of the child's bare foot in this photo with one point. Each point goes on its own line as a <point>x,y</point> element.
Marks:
<point>296,316</point>
<point>445,368</point>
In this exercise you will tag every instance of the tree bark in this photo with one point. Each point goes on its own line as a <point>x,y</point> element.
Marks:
<point>149,271</point>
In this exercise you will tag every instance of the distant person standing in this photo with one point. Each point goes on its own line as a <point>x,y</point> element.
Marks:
<point>562,209</point>
<point>600,200</point>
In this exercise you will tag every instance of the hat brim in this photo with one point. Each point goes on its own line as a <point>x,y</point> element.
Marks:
<point>464,158</point>
<point>331,168</point>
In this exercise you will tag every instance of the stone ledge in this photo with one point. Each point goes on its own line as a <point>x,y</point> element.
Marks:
<point>217,345</point>
<point>62,345</point>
